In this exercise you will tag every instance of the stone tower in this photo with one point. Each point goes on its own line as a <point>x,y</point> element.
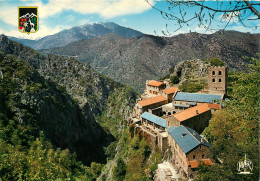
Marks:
<point>217,80</point>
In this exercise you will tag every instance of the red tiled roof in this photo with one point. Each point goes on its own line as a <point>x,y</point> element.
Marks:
<point>191,112</point>
<point>155,83</point>
<point>214,106</point>
<point>153,100</point>
<point>195,163</point>
<point>170,90</point>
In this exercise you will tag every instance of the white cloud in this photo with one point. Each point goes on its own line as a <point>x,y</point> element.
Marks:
<point>202,30</point>
<point>43,31</point>
<point>9,14</point>
<point>105,8</point>
<point>231,17</point>
<point>124,7</point>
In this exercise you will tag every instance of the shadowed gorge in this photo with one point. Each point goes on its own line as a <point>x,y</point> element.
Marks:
<point>65,97</point>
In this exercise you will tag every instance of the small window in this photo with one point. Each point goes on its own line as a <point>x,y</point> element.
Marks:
<point>219,72</point>
<point>213,80</point>
<point>200,147</point>
<point>202,156</point>
<point>194,157</point>
<point>213,72</point>
<point>219,80</point>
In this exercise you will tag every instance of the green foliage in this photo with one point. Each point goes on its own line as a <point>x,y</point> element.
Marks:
<point>165,77</point>
<point>120,170</point>
<point>234,131</point>
<point>171,69</point>
<point>111,119</point>
<point>25,153</point>
<point>174,79</point>
<point>96,169</point>
<point>190,86</point>
<point>137,160</point>
<point>110,151</point>
<point>215,62</point>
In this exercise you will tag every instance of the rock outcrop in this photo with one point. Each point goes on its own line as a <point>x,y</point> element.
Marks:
<point>66,98</point>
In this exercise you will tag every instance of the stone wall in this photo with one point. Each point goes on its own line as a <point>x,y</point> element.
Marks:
<point>171,121</point>
<point>217,77</point>
<point>199,122</point>
<point>198,153</point>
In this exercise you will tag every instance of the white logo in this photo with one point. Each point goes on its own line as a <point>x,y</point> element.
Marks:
<point>245,166</point>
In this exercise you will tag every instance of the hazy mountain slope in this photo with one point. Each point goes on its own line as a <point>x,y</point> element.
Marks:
<point>67,110</point>
<point>86,31</point>
<point>134,60</point>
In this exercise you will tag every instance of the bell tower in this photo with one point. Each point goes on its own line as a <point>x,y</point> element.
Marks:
<point>217,80</point>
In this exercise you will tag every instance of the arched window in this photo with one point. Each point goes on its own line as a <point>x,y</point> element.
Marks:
<point>202,156</point>
<point>194,157</point>
<point>219,80</point>
<point>213,80</point>
<point>169,113</point>
<point>213,72</point>
<point>219,72</point>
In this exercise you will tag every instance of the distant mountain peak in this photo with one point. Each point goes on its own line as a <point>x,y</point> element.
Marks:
<point>87,31</point>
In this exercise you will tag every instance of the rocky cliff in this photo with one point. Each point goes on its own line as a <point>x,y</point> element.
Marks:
<point>67,97</point>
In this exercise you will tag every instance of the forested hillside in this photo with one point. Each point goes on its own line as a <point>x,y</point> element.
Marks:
<point>55,103</point>
<point>234,131</point>
<point>134,60</point>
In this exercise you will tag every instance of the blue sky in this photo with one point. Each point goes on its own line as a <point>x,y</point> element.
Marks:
<point>56,15</point>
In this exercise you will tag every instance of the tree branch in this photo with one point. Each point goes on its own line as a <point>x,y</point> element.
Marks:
<point>253,9</point>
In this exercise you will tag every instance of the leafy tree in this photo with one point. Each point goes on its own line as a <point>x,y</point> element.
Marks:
<point>171,69</point>
<point>175,79</point>
<point>25,153</point>
<point>96,169</point>
<point>120,170</point>
<point>234,130</point>
<point>205,13</point>
<point>190,86</point>
<point>215,62</point>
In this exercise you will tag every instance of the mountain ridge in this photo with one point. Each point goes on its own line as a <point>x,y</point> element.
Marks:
<point>76,33</point>
<point>134,60</point>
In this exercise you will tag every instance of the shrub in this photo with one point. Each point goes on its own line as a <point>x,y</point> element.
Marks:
<point>190,87</point>
<point>215,62</point>
<point>120,170</point>
<point>174,79</point>
<point>171,69</point>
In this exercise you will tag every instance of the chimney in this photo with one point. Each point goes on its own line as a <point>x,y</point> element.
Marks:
<point>194,133</point>
<point>197,111</point>
<point>202,140</point>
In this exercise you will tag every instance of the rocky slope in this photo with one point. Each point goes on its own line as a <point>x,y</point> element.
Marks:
<point>134,60</point>
<point>86,31</point>
<point>67,98</point>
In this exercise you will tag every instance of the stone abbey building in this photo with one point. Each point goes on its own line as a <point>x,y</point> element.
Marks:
<point>174,120</point>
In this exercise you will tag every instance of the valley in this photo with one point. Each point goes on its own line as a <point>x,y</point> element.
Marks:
<point>106,103</point>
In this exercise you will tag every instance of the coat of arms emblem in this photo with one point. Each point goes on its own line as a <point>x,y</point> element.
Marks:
<point>28,19</point>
